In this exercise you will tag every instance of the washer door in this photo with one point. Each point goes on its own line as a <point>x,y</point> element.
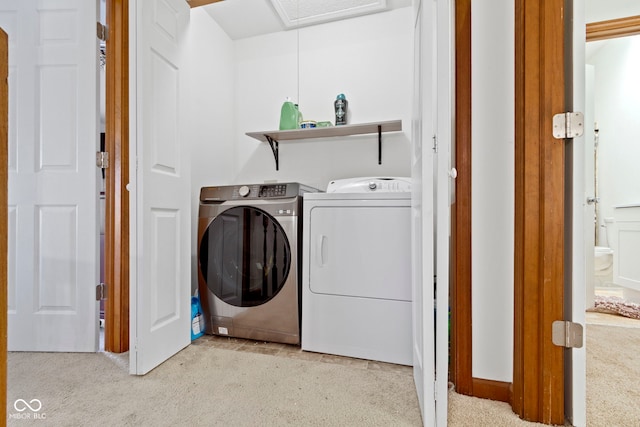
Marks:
<point>245,256</point>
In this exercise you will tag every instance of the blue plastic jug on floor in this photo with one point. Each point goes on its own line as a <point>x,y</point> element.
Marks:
<point>197,318</point>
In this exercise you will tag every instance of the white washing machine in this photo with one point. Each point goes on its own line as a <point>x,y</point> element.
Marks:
<point>248,260</point>
<point>356,263</point>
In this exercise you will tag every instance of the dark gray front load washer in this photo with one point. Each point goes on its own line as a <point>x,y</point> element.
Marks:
<point>249,260</point>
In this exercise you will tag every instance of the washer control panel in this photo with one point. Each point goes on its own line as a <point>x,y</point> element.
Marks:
<point>259,191</point>
<point>253,192</point>
<point>273,190</point>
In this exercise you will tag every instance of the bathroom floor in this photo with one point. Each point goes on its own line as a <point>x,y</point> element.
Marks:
<point>609,291</point>
<point>595,318</point>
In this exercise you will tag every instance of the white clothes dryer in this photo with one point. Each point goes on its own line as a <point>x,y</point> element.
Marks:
<point>356,262</point>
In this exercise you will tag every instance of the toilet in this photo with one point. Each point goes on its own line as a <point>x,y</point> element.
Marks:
<point>603,266</point>
<point>603,260</point>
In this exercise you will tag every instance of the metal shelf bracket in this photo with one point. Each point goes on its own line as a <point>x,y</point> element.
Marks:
<point>275,148</point>
<point>379,144</point>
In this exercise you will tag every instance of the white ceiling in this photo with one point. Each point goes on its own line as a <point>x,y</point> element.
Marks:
<point>604,10</point>
<point>295,13</point>
<point>248,18</point>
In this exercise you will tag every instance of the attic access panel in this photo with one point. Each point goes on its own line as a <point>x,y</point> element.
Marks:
<point>299,13</point>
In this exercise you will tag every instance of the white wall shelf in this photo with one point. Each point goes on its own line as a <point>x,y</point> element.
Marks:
<point>273,137</point>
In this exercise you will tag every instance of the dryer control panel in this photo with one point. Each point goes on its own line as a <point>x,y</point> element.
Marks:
<point>370,184</point>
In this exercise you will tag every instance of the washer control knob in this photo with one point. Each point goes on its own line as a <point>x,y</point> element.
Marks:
<point>373,185</point>
<point>243,191</point>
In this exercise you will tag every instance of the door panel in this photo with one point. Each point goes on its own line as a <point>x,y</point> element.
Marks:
<point>422,226</point>
<point>443,188</point>
<point>160,204</point>
<point>336,243</point>
<point>431,201</point>
<point>53,195</point>
<point>583,239</point>
<point>4,217</point>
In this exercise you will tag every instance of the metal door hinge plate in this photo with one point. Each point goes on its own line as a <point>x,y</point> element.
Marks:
<point>568,125</point>
<point>102,31</point>
<point>102,159</point>
<point>567,334</point>
<point>101,291</point>
<point>591,200</point>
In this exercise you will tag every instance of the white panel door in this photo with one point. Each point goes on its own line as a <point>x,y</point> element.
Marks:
<point>582,230</point>
<point>444,179</point>
<point>432,126</point>
<point>53,195</point>
<point>422,175</point>
<point>160,194</point>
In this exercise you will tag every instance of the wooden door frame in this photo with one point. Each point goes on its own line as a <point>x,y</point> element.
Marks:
<point>539,256</point>
<point>621,27</point>
<point>460,293</point>
<point>117,178</point>
<point>460,369</point>
<point>540,237</point>
<point>543,240</point>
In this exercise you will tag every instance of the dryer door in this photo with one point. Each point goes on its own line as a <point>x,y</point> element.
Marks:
<point>245,256</point>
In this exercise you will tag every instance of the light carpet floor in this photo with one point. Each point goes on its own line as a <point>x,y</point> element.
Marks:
<point>613,372</point>
<point>208,385</point>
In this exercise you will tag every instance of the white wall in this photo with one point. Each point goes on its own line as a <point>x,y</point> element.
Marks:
<point>210,117</point>
<point>617,103</point>
<point>492,206</point>
<point>239,86</point>
<point>369,59</point>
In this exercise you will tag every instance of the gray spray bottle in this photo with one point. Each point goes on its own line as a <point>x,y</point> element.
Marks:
<point>340,106</point>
